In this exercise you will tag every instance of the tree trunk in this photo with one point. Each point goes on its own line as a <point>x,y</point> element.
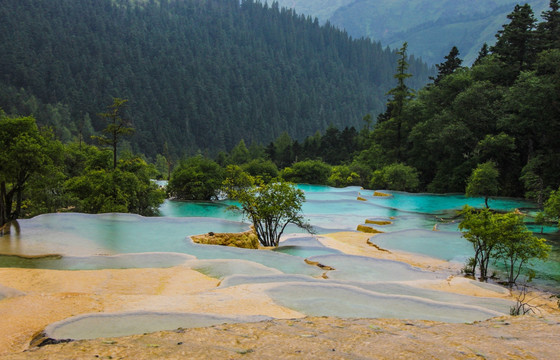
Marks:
<point>3,210</point>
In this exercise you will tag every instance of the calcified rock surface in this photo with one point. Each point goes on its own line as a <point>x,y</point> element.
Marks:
<point>527,337</point>
<point>35,298</point>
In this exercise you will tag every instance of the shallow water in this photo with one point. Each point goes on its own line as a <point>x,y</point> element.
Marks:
<point>358,286</point>
<point>349,301</point>
<point>91,326</point>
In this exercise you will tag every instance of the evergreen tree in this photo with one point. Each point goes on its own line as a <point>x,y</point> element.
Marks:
<point>452,62</point>
<point>401,94</point>
<point>117,127</point>
<point>548,31</point>
<point>202,75</point>
<point>515,45</point>
<point>483,52</point>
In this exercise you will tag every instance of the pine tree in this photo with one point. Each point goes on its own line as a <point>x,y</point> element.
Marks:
<point>117,127</point>
<point>481,54</point>
<point>451,63</point>
<point>548,31</point>
<point>401,94</point>
<point>515,46</point>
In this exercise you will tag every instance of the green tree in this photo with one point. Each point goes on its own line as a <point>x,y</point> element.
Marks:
<point>126,189</point>
<point>483,181</point>
<point>307,172</point>
<point>270,207</point>
<point>117,128</point>
<point>23,153</point>
<point>532,179</point>
<point>265,169</point>
<point>239,154</point>
<point>452,62</point>
<point>482,54</point>
<point>342,176</point>
<point>548,31</point>
<point>282,150</point>
<point>396,176</point>
<point>45,189</point>
<point>515,45</point>
<point>161,166</point>
<point>196,178</point>
<point>479,228</point>
<point>516,245</point>
<point>391,129</point>
<point>552,206</point>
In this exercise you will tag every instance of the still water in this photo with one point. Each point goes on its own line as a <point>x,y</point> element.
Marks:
<point>358,287</point>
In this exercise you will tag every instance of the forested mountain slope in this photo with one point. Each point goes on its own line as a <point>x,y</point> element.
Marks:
<point>431,28</point>
<point>199,75</point>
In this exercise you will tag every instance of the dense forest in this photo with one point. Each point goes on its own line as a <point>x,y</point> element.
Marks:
<point>485,130</point>
<point>495,125</point>
<point>199,75</point>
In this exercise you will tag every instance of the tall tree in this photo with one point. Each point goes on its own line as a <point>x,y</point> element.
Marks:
<point>482,53</point>
<point>401,94</point>
<point>23,153</point>
<point>548,31</point>
<point>118,127</point>
<point>452,62</point>
<point>480,230</point>
<point>517,246</point>
<point>515,44</point>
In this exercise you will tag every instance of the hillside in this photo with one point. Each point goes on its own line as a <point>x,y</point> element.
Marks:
<point>199,76</point>
<point>430,27</point>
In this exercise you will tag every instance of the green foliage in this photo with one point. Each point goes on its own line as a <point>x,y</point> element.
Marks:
<point>515,45</point>
<point>342,176</point>
<point>201,75</point>
<point>196,178</point>
<point>239,154</point>
<point>532,179</point>
<point>23,154</point>
<point>452,62</point>
<point>501,237</point>
<point>44,192</point>
<point>396,176</point>
<point>265,169</point>
<point>496,112</point>
<point>548,32</point>
<point>552,206</point>
<point>307,172</point>
<point>127,189</point>
<point>270,207</point>
<point>483,181</point>
<point>392,129</point>
<point>479,228</point>
<point>117,127</point>
<point>516,245</point>
<point>161,166</point>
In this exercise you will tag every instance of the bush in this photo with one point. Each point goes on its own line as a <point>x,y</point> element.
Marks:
<point>307,172</point>
<point>396,176</point>
<point>197,178</point>
<point>342,176</point>
<point>246,240</point>
<point>266,169</point>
